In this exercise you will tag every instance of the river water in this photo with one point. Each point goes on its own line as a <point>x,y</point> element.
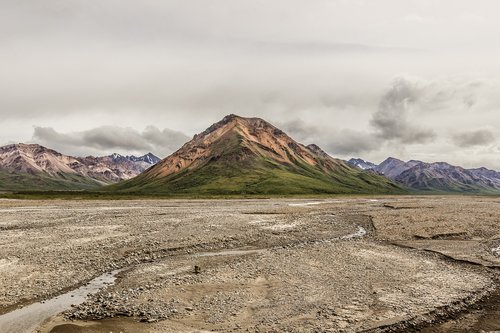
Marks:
<point>28,318</point>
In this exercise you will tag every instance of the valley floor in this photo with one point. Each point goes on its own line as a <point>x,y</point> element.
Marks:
<point>375,264</point>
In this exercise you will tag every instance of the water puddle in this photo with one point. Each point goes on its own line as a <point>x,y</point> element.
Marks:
<point>361,232</point>
<point>314,203</point>
<point>29,318</point>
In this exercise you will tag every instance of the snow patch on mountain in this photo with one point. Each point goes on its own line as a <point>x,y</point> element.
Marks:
<point>362,164</point>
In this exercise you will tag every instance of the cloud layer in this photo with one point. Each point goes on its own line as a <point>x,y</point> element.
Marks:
<point>360,77</point>
<point>112,139</point>
<point>418,118</point>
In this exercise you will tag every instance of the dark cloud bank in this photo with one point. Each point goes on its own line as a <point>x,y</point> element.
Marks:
<point>391,122</point>
<point>411,113</point>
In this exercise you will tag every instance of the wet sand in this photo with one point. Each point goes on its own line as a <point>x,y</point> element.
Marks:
<point>481,317</point>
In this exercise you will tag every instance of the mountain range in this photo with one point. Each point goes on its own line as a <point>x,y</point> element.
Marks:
<point>250,156</point>
<point>34,167</point>
<point>435,177</point>
<point>234,156</point>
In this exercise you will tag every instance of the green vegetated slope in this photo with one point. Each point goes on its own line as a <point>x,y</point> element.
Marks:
<point>261,177</point>
<point>10,181</point>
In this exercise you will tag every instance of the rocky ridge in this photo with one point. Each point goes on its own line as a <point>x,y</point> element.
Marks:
<point>38,162</point>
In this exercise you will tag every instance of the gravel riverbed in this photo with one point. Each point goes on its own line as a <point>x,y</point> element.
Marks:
<point>275,265</point>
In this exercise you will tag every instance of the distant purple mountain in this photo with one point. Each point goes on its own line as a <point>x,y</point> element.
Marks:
<point>435,177</point>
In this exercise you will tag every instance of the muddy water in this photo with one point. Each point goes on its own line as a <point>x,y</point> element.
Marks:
<point>28,318</point>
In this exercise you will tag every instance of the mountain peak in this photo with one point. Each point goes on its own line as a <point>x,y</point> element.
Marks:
<point>230,117</point>
<point>148,158</point>
<point>392,167</point>
<point>33,158</point>
<point>317,150</point>
<point>241,138</point>
<point>28,150</point>
<point>393,159</point>
<point>224,121</point>
<point>23,146</point>
<point>362,164</point>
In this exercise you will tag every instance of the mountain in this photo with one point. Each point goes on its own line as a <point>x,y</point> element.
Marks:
<point>148,159</point>
<point>440,177</point>
<point>490,175</point>
<point>250,156</point>
<point>34,167</point>
<point>392,167</point>
<point>362,164</point>
<point>30,166</point>
<point>114,168</point>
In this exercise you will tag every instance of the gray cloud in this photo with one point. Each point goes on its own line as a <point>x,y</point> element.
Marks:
<point>391,121</point>
<point>345,142</point>
<point>401,120</point>
<point>108,139</point>
<point>302,131</point>
<point>473,138</point>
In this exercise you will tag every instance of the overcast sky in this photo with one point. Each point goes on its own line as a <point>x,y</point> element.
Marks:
<point>413,79</point>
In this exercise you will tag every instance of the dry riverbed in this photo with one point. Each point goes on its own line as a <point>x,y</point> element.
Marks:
<point>289,265</point>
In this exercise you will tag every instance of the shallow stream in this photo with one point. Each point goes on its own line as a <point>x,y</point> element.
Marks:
<point>29,318</point>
